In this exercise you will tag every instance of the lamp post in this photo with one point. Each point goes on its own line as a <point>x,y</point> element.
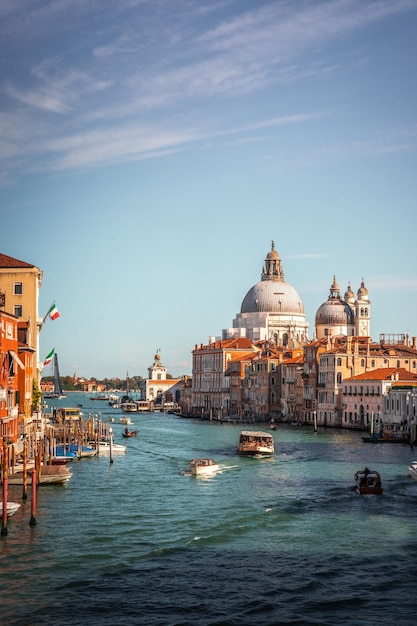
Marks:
<point>111,444</point>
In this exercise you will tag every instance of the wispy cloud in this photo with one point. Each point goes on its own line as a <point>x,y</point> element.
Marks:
<point>139,64</point>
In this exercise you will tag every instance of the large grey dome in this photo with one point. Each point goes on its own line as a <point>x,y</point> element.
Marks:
<point>272,296</point>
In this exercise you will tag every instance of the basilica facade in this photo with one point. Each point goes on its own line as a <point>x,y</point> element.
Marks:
<point>272,310</point>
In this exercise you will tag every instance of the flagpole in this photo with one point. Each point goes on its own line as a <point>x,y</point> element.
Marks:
<point>47,313</point>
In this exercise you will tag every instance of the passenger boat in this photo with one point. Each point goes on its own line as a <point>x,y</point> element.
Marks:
<point>203,467</point>
<point>12,507</point>
<point>368,482</point>
<point>255,443</point>
<point>125,420</point>
<point>412,468</point>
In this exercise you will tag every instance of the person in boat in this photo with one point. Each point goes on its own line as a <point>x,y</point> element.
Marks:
<point>127,430</point>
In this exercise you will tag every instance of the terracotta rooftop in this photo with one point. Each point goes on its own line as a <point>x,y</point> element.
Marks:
<point>8,261</point>
<point>396,374</point>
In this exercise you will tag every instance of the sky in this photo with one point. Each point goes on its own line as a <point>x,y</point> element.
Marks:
<point>151,150</point>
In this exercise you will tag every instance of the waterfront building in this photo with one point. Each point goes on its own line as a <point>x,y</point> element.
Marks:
<point>261,384</point>
<point>291,374</point>
<point>17,366</point>
<point>158,388</point>
<point>378,396</point>
<point>346,357</point>
<point>306,385</point>
<point>20,283</point>
<point>210,384</point>
<point>400,406</point>
<point>9,364</point>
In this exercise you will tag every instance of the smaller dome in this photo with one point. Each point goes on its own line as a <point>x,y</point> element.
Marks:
<point>335,313</point>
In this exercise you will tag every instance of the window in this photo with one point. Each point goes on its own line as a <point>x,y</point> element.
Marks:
<point>18,311</point>
<point>18,289</point>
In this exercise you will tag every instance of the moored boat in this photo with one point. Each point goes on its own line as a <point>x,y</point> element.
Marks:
<point>103,447</point>
<point>255,443</point>
<point>368,482</point>
<point>412,468</point>
<point>203,467</point>
<point>73,449</point>
<point>12,507</point>
<point>49,474</point>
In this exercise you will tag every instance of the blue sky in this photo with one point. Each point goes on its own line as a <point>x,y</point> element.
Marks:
<point>151,150</point>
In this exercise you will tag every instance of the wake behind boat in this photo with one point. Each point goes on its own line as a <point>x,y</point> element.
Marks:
<point>256,444</point>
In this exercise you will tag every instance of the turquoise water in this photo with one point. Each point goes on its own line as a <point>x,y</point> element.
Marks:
<point>268,541</point>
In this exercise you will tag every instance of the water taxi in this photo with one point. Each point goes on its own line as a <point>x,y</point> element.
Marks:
<point>368,482</point>
<point>203,467</point>
<point>255,443</point>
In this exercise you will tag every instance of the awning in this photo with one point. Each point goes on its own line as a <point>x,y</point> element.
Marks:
<point>16,359</point>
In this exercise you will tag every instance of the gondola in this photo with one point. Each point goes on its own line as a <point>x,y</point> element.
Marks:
<point>131,433</point>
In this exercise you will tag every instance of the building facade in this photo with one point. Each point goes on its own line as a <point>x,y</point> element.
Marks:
<point>20,283</point>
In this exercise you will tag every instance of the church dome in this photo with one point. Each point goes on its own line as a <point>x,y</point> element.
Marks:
<point>269,296</point>
<point>335,311</point>
<point>272,294</point>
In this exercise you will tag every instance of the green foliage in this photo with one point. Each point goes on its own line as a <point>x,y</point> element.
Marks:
<point>36,396</point>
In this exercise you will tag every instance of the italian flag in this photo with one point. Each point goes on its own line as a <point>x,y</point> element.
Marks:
<point>49,357</point>
<point>53,312</point>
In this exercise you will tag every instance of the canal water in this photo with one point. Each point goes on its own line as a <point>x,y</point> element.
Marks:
<point>273,541</point>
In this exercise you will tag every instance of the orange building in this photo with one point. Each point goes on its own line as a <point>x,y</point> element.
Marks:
<point>10,363</point>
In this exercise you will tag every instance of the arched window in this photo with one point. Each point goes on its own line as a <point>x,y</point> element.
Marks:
<point>339,377</point>
<point>285,339</point>
<point>339,361</point>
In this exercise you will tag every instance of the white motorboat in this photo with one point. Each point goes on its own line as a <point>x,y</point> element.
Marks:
<point>412,468</point>
<point>125,420</point>
<point>103,447</point>
<point>255,443</point>
<point>203,467</point>
<point>12,507</point>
